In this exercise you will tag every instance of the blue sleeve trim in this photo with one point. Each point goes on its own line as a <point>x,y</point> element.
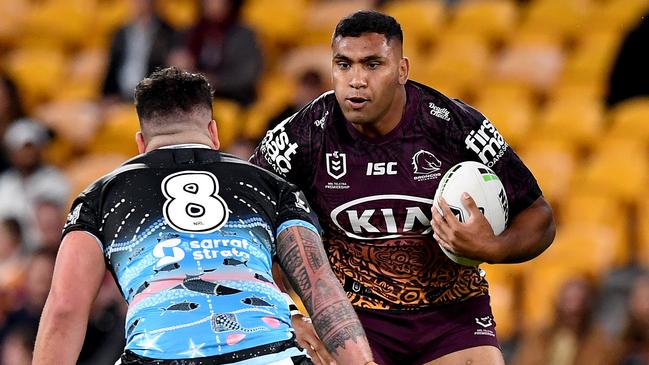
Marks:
<point>296,222</point>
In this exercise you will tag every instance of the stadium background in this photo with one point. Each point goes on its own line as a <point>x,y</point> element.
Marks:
<point>539,69</point>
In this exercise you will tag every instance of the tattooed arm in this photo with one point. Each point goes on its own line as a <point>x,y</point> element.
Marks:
<point>305,263</point>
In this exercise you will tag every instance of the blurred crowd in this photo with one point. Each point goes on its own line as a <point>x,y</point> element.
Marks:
<point>599,315</point>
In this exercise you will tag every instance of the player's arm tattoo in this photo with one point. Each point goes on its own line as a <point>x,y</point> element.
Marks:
<point>303,258</point>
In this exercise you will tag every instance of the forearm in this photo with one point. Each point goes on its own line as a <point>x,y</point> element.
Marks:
<point>60,336</point>
<point>337,325</point>
<point>528,235</point>
<point>334,319</point>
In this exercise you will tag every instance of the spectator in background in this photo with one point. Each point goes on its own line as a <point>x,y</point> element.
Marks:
<point>635,338</point>
<point>10,109</point>
<point>49,218</point>
<point>309,86</point>
<point>12,259</point>
<point>32,295</point>
<point>630,76</point>
<point>137,49</point>
<point>29,179</point>
<point>572,338</point>
<point>223,49</point>
<point>18,345</point>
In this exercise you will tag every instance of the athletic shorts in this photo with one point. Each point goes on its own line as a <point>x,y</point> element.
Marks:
<point>417,337</point>
<point>239,357</point>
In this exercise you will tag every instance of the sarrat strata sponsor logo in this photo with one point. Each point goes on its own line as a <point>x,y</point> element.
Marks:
<point>173,250</point>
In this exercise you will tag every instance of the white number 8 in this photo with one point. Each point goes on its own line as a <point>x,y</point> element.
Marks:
<point>192,203</point>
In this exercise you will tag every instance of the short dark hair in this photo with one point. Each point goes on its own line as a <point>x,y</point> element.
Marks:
<point>369,21</point>
<point>170,91</point>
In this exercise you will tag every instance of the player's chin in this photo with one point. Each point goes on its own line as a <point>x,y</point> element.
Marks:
<point>356,116</point>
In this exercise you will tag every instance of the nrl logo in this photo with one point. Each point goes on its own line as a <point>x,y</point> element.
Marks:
<point>484,321</point>
<point>336,164</point>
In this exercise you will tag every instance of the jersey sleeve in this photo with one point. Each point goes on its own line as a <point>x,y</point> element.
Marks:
<point>85,214</point>
<point>287,149</point>
<point>294,210</point>
<point>477,139</point>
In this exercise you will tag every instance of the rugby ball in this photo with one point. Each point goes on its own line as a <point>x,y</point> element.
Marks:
<point>485,188</point>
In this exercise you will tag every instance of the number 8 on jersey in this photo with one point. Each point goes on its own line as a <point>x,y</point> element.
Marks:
<point>192,203</point>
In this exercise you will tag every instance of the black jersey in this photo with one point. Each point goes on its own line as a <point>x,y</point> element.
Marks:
<point>189,235</point>
<point>373,196</point>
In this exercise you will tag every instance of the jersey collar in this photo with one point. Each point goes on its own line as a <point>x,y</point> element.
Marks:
<point>186,145</point>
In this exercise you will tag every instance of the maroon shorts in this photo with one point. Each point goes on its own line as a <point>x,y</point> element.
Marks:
<point>416,337</point>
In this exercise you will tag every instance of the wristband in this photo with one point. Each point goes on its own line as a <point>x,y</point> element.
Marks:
<point>292,307</point>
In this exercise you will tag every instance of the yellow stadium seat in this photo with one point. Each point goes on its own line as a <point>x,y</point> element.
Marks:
<point>576,120</point>
<point>422,22</point>
<point>530,58</point>
<point>75,121</point>
<point>513,116</point>
<point>281,23</point>
<point>86,169</point>
<point>593,57</point>
<point>275,93</point>
<point>321,18</point>
<point>587,89</point>
<point>38,72</point>
<point>12,17</point>
<point>615,15</point>
<point>563,18</point>
<point>541,289</point>
<point>642,227</point>
<point>592,208</point>
<point>618,167</point>
<point>117,133</point>
<point>491,19</point>
<point>505,296</point>
<point>63,23</point>
<point>107,17</point>
<point>464,58</point>
<point>305,58</point>
<point>553,163</point>
<point>179,13</point>
<point>630,119</point>
<point>85,75</point>
<point>229,119</point>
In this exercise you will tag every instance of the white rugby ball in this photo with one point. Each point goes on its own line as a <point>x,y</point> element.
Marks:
<point>485,188</point>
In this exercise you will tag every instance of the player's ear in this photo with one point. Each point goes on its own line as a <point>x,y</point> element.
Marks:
<point>214,134</point>
<point>404,70</point>
<point>139,140</point>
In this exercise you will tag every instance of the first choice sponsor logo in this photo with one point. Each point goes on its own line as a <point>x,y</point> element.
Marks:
<point>487,143</point>
<point>277,149</point>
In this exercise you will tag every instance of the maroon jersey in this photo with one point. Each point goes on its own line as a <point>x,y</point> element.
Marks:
<point>373,196</point>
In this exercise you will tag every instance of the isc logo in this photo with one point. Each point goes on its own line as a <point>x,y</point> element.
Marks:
<point>381,168</point>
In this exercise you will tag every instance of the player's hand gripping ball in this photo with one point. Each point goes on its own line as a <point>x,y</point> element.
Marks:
<point>486,189</point>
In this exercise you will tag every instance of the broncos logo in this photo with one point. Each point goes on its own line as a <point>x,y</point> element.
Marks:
<point>425,163</point>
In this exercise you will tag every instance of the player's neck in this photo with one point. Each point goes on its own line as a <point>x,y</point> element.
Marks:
<point>389,121</point>
<point>178,138</point>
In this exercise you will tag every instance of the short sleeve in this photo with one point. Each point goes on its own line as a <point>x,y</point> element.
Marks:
<point>84,214</point>
<point>287,150</point>
<point>478,140</point>
<point>294,210</point>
